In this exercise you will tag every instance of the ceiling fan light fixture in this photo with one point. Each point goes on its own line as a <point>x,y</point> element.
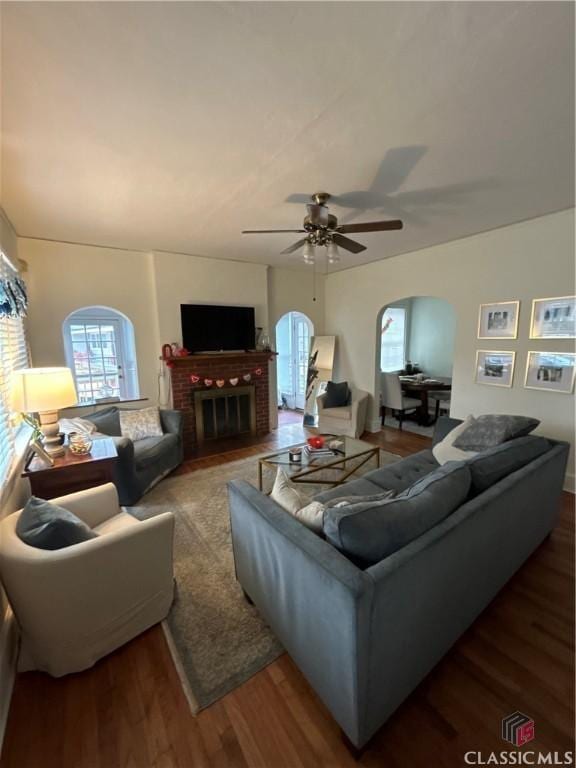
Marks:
<point>309,253</point>
<point>332,253</point>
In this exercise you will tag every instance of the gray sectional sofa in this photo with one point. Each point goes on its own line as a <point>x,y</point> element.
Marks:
<point>143,463</point>
<point>365,637</point>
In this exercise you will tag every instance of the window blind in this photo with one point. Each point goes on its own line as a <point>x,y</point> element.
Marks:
<point>13,355</point>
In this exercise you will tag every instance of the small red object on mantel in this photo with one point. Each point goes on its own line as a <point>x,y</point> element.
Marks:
<point>316,441</point>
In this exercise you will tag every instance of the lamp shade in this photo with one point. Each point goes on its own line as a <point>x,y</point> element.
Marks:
<point>42,389</point>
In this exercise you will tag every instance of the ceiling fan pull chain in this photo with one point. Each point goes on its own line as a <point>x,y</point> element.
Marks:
<point>314,281</point>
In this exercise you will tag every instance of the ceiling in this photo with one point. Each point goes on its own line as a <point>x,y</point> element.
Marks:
<point>173,126</point>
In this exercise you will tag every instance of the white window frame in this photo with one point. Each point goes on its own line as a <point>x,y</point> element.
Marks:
<point>401,364</point>
<point>125,346</point>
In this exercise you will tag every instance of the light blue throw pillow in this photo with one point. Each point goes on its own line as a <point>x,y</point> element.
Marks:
<point>47,526</point>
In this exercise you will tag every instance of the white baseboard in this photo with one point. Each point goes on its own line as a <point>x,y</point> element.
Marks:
<point>8,657</point>
<point>569,482</point>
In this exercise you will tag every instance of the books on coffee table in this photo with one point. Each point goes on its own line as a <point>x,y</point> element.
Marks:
<point>318,453</point>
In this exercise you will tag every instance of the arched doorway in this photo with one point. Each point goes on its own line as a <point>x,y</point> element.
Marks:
<point>293,332</point>
<point>415,338</point>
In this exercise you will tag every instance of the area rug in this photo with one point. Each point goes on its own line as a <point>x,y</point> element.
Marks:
<point>217,639</point>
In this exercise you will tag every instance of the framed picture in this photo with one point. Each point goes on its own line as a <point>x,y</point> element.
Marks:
<point>494,368</point>
<point>498,321</point>
<point>552,371</point>
<point>37,449</point>
<point>553,318</point>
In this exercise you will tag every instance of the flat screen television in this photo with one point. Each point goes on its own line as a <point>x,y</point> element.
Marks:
<point>210,328</point>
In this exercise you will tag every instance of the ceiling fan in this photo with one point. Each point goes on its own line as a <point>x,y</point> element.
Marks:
<point>322,229</point>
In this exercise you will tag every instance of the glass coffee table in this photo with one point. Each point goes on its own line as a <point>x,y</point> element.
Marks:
<point>349,457</point>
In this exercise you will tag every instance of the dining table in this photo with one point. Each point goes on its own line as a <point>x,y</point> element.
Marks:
<point>420,386</point>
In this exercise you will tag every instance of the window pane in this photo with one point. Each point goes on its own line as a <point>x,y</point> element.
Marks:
<point>95,349</point>
<point>392,348</point>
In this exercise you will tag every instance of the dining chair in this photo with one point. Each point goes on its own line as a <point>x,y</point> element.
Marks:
<point>393,398</point>
<point>442,399</point>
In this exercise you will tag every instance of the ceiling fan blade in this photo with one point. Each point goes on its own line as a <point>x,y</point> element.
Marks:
<point>318,213</point>
<point>347,244</point>
<point>371,226</point>
<point>298,197</point>
<point>268,231</point>
<point>294,246</point>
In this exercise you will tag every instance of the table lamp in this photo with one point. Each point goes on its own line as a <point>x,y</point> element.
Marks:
<point>44,391</point>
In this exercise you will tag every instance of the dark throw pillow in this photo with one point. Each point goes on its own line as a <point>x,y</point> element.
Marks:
<point>367,533</point>
<point>493,465</point>
<point>337,395</point>
<point>493,429</point>
<point>47,526</point>
<point>107,421</point>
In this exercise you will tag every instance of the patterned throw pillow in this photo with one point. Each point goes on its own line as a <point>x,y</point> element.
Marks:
<point>137,425</point>
<point>493,429</point>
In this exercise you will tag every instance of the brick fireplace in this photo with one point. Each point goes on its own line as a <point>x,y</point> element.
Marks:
<point>219,368</point>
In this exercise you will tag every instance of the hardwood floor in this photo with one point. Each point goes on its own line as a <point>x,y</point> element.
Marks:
<point>129,710</point>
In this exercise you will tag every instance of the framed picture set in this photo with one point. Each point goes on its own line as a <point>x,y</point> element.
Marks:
<point>499,320</point>
<point>494,368</point>
<point>551,371</point>
<point>553,318</point>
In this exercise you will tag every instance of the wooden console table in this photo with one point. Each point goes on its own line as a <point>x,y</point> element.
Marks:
<point>71,473</point>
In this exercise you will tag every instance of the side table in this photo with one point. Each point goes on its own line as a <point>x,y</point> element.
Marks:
<point>72,473</point>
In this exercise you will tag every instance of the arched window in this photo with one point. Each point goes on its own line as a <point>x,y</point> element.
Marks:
<point>101,351</point>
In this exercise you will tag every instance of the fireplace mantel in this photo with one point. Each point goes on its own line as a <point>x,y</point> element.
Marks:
<point>256,357</point>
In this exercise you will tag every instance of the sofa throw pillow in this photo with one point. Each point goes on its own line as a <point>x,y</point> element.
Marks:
<point>493,429</point>
<point>139,424</point>
<point>47,526</point>
<point>360,502</point>
<point>369,535</point>
<point>107,422</point>
<point>337,395</point>
<point>445,450</point>
<point>296,503</point>
<point>490,466</point>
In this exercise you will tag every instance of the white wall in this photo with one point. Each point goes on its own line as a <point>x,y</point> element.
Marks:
<point>524,261</point>
<point>8,239</point>
<point>432,331</point>
<point>291,290</point>
<point>183,279</point>
<point>62,278</point>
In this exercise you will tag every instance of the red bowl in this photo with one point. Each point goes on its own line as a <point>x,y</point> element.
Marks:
<point>316,441</point>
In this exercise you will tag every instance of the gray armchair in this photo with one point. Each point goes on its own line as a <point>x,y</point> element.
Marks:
<point>143,463</point>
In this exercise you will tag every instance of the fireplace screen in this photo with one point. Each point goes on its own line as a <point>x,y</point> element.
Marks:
<point>224,412</point>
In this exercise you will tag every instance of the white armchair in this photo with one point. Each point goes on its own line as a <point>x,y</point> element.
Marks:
<point>77,604</point>
<point>347,420</point>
